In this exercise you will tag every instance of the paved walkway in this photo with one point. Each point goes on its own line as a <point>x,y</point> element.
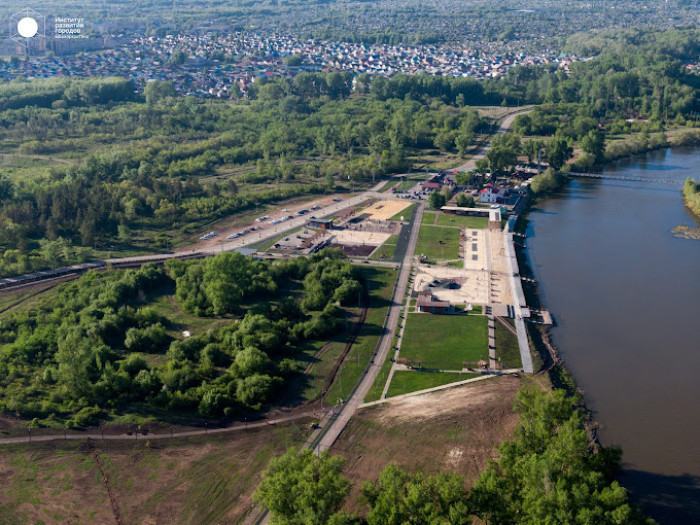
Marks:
<point>441,387</point>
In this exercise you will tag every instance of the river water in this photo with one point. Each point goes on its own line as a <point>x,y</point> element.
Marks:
<point>625,294</point>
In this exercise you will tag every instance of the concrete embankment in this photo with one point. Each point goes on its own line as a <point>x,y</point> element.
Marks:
<point>521,309</point>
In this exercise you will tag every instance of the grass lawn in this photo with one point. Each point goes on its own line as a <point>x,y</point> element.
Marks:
<point>405,213</point>
<point>438,243</point>
<point>445,341</point>
<point>405,381</point>
<point>507,349</point>
<point>462,220</point>
<point>386,251</point>
<point>381,282</point>
<point>375,392</point>
<point>428,218</point>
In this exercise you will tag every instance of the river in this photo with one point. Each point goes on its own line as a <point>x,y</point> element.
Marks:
<point>625,294</point>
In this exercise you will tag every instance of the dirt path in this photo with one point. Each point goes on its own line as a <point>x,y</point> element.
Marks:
<point>105,482</point>
<point>507,325</point>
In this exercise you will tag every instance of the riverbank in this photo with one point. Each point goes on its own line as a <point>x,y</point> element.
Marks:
<point>623,292</point>
<point>691,195</point>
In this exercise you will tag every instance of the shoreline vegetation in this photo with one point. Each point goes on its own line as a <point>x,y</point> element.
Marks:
<point>691,196</point>
<point>683,231</point>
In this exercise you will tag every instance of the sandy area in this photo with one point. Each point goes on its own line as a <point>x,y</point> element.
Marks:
<point>360,237</point>
<point>500,283</point>
<point>473,284</point>
<point>475,256</point>
<point>436,404</point>
<point>455,430</point>
<point>384,210</point>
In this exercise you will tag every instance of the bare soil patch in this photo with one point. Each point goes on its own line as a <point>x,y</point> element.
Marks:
<point>355,250</point>
<point>197,481</point>
<point>455,430</point>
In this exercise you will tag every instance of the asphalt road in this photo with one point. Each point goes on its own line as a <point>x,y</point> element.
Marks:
<point>336,424</point>
<point>505,126</point>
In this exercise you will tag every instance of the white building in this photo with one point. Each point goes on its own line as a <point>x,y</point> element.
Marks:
<point>490,194</point>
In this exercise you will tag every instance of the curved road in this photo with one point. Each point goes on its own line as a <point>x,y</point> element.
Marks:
<point>505,126</point>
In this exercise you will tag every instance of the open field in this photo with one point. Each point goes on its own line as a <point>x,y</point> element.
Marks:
<point>438,243</point>
<point>455,430</point>
<point>445,341</point>
<point>384,210</point>
<point>386,251</point>
<point>380,281</point>
<point>405,381</point>
<point>462,220</point>
<point>507,349</point>
<point>359,237</point>
<point>196,481</point>
<point>428,218</point>
<point>375,392</point>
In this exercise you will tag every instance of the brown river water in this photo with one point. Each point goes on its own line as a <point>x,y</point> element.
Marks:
<point>625,294</point>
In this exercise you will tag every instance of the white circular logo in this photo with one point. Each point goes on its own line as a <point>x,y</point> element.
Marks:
<point>27,27</point>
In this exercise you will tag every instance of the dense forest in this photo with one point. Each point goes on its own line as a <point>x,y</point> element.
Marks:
<point>551,472</point>
<point>166,165</point>
<point>105,344</point>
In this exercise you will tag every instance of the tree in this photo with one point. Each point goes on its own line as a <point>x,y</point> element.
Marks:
<point>464,178</point>
<point>547,181</point>
<point>558,152</point>
<point>551,472</point>
<point>532,149</point>
<point>594,144</point>
<point>465,201</point>
<point>159,90</point>
<point>436,200</point>
<point>500,157</point>
<point>402,498</point>
<point>300,488</point>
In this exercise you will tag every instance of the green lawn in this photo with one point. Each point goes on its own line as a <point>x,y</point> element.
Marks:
<point>462,220</point>
<point>438,243</point>
<point>386,251</point>
<point>507,349</point>
<point>404,381</point>
<point>445,341</point>
<point>375,392</point>
<point>405,213</point>
<point>381,282</point>
<point>428,217</point>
